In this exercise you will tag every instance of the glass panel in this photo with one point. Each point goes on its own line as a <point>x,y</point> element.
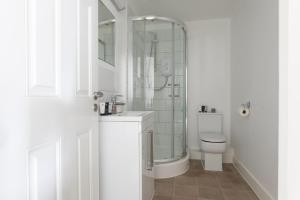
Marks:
<point>179,93</point>
<point>157,82</point>
<point>106,34</point>
<point>137,76</point>
<point>159,46</point>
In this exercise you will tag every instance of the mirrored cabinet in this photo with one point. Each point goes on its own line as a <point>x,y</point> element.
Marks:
<point>106,34</point>
<point>110,44</point>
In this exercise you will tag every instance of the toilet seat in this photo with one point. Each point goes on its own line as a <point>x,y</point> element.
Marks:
<point>212,137</point>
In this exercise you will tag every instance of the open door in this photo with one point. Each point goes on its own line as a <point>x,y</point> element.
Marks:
<point>48,130</point>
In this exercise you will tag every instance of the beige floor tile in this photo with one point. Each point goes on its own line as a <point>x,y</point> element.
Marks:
<point>236,195</point>
<point>164,189</point>
<point>162,198</point>
<point>233,185</point>
<point>194,172</point>
<point>198,184</point>
<point>228,167</point>
<point>184,198</point>
<point>185,180</point>
<point>210,193</point>
<point>227,175</point>
<point>186,191</point>
<point>253,195</point>
<point>165,180</point>
<point>207,181</point>
<point>232,181</point>
<point>196,164</point>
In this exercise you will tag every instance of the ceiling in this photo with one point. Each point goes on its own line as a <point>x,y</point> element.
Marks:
<point>184,10</point>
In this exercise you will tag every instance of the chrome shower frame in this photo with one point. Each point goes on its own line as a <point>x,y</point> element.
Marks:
<point>183,26</point>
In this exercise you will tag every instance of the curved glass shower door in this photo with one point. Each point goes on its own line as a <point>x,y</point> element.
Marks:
<point>156,80</point>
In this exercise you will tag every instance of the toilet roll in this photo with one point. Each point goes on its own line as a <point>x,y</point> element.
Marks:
<point>244,112</point>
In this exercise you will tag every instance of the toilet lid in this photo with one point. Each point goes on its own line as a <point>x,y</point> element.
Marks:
<point>212,137</point>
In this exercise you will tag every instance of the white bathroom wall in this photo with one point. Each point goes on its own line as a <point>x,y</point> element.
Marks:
<point>208,75</point>
<point>255,78</point>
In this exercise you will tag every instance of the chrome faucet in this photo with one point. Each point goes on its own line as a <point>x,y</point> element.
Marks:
<point>115,97</point>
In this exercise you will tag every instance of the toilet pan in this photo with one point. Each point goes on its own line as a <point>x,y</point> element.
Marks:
<point>212,146</point>
<point>212,142</point>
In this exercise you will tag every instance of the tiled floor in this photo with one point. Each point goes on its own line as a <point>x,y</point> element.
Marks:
<point>198,184</point>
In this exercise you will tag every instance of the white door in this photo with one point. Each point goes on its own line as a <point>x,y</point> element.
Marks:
<point>48,134</point>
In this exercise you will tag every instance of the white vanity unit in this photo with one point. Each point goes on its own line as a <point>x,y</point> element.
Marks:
<point>126,156</point>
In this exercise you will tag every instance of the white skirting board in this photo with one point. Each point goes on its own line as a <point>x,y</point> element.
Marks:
<point>256,186</point>
<point>227,156</point>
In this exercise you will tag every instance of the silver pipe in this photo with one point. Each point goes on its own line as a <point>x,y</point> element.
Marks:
<point>173,93</point>
<point>186,92</point>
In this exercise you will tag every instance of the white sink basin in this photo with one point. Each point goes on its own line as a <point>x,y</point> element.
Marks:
<point>127,116</point>
<point>132,113</point>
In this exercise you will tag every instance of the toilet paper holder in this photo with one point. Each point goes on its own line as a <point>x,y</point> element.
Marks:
<point>244,109</point>
<point>246,105</point>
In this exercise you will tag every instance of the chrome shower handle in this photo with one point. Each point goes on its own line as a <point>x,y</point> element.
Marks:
<point>177,95</point>
<point>175,84</point>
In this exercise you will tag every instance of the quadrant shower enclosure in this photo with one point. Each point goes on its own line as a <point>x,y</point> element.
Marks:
<point>157,81</point>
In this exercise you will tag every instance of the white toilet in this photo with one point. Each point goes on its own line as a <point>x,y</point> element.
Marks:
<point>211,140</point>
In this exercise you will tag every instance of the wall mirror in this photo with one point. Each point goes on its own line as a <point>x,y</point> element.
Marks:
<point>106,34</point>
